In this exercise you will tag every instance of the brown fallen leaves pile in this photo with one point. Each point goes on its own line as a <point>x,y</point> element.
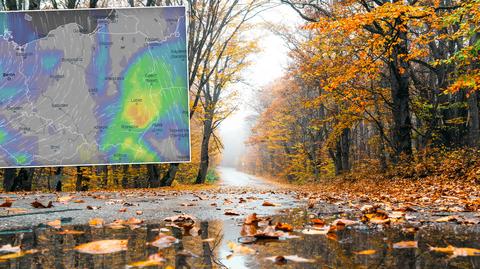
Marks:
<point>433,184</point>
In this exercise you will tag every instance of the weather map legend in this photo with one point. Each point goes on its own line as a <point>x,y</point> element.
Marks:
<point>93,86</point>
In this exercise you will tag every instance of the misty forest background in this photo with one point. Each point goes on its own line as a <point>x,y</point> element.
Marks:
<point>374,88</point>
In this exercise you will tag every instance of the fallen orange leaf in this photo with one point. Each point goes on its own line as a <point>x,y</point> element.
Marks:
<point>57,224</point>
<point>163,241</point>
<point>284,227</point>
<point>103,247</point>
<point>64,232</point>
<point>267,203</point>
<point>7,203</point>
<point>96,222</point>
<point>153,260</point>
<point>406,244</point>
<point>366,252</point>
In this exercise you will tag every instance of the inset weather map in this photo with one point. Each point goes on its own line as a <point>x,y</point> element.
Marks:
<point>93,86</point>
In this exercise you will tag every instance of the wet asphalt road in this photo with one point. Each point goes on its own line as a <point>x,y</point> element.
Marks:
<point>236,191</point>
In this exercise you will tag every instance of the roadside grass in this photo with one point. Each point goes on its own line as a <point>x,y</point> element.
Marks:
<point>212,176</point>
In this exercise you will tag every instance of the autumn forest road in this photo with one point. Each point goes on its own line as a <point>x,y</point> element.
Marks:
<point>224,201</point>
<point>230,177</point>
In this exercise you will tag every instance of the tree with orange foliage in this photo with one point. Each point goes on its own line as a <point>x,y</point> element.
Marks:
<point>394,78</point>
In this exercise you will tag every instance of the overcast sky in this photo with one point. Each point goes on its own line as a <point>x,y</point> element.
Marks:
<point>268,65</point>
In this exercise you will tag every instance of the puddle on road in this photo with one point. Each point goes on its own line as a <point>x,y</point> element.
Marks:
<point>57,251</point>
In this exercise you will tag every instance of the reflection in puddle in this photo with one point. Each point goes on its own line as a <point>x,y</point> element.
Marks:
<point>209,248</point>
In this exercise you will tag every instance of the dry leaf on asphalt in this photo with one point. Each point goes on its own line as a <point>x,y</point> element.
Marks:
<point>65,199</point>
<point>16,210</point>
<point>230,212</point>
<point>251,219</point>
<point>343,222</point>
<point>37,204</point>
<point>7,203</point>
<point>447,219</point>
<point>181,218</point>
<point>317,222</point>
<point>284,227</point>
<point>267,203</point>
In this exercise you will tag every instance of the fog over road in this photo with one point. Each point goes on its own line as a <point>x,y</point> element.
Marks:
<point>231,177</point>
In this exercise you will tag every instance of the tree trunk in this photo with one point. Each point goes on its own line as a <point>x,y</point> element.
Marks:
<point>34,4</point>
<point>136,179</point>
<point>473,123</point>
<point>382,155</point>
<point>204,156</point>
<point>207,251</point>
<point>399,77</point>
<point>334,154</point>
<point>125,176</point>
<point>79,182</point>
<point>180,260</point>
<point>92,3</point>
<point>104,170</point>
<point>8,179</point>
<point>153,176</point>
<point>58,179</point>
<point>71,4</point>
<point>340,156</point>
<point>11,4</point>
<point>169,176</point>
<point>345,148</point>
<point>25,178</point>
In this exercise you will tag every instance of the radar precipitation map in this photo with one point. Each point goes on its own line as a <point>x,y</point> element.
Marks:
<point>93,86</point>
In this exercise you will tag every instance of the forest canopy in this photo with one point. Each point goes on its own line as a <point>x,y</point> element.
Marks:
<point>370,83</point>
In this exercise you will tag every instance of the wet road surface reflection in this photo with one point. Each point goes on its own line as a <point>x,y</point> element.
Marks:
<point>206,245</point>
